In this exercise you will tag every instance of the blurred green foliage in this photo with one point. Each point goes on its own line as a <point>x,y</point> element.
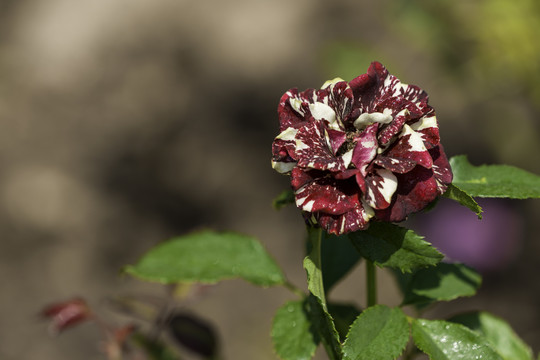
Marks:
<point>482,62</point>
<point>497,40</point>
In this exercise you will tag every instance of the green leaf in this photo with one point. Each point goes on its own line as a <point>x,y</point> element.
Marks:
<point>208,257</point>
<point>494,180</point>
<point>379,333</point>
<point>455,193</point>
<point>339,256</point>
<point>284,199</point>
<point>443,340</point>
<point>292,334</point>
<point>444,282</point>
<point>343,315</point>
<point>497,332</point>
<point>317,308</point>
<point>389,245</point>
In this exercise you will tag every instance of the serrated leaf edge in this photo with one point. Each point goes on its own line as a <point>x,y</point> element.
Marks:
<point>368,309</point>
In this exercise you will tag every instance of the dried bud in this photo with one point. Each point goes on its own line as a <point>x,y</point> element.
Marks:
<point>66,314</point>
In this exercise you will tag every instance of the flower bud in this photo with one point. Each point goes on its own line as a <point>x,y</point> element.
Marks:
<point>66,314</point>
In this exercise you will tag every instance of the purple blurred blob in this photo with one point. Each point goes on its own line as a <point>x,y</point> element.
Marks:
<point>490,244</point>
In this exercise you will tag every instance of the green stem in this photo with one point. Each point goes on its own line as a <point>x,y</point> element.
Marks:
<point>317,260</point>
<point>288,285</point>
<point>321,318</point>
<point>371,283</point>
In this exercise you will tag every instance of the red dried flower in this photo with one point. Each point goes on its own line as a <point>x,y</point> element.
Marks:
<point>358,150</point>
<point>67,314</point>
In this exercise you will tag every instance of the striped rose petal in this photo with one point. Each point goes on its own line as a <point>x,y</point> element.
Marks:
<point>410,147</point>
<point>381,186</point>
<point>313,150</point>
<point>416,189</point>
<point>328,196</point>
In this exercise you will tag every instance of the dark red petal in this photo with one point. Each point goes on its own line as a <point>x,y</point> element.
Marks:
<point>416,189</point>
<point>313,151</point>
<point>341,98</point>
<point>394,127</point>
<point>441,168</point>
<point>410,147</point>
<point>412,93</point>
<point>337,138</point>
<point>399,166</point>
<point>360,84</point>
<point>342,175</point>
<point>327,195</point>
<point>283,155</point>
<point>283,150</point>
<point>361,181</point>
<point>367,88</point>
<point>288,116</point>
<point>354,220</point>
<point>394,105</point>
<point>321,95</point>
<point>293,108</point>
<point>300,177</point>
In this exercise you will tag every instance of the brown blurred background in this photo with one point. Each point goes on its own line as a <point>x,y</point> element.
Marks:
<point>125,123</point>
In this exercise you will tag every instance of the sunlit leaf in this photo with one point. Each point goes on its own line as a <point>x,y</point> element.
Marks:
<point>443,340</point>
<point>208,257</point>
<point>497,332</point>
<point>494,180</point>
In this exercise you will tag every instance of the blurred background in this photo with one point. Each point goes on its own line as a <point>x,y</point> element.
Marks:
<point>125,123</point>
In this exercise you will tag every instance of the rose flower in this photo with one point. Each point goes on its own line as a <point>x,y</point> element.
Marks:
<point>358,150</point>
